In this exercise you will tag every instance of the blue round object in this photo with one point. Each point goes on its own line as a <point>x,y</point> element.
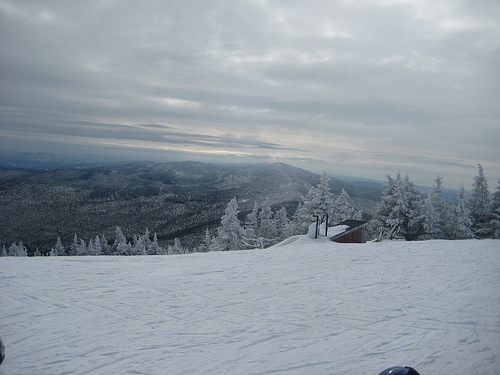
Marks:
<point>398,370</point>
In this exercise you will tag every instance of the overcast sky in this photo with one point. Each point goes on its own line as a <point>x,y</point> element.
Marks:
<point>354,87</point>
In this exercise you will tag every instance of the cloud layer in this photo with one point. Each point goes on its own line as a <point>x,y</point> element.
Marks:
<point>351,87</point>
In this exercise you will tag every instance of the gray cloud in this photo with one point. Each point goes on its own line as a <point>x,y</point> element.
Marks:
<point>263,80</point>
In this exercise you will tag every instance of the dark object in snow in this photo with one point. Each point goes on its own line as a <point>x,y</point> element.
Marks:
<point>2,351</point>
<point>355,232</point>
<point>399,371</point>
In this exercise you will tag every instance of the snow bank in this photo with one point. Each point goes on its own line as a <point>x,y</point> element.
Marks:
<point>336,230</point>
<point>308,307</point>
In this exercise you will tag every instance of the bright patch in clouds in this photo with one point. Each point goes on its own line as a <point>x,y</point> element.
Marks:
<point>180,103</point>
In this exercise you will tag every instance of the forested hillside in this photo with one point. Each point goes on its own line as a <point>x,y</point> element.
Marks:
<point>174,200</point>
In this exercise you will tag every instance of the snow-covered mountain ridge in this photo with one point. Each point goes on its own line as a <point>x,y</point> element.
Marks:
<point>304,307</point>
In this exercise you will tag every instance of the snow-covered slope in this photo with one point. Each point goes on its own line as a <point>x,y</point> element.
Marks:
<point>306,307</point>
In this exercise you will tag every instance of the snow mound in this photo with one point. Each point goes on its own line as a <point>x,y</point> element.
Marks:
<point>305,307</point>
<point>336,230</point>
<point>288,241</point>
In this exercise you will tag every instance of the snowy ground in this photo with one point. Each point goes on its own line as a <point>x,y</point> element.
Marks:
<point>308,307</point>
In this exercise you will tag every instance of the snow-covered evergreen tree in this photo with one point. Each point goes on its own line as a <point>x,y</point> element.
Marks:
<point>251,228</point>
<point>342,209</point>
<point>3,253</point>
<point>318,201</point>
<point>22,250</point>
<point>230,233</point>
<point>73,249</point>
<point>282,224</point>
<point>358,215</point>
<point>267,228</point>
<point>492,226</point>
<point>462,221</point>
<point>121,246</point>
<point>252,219</point>
<point>380,225</point>
<point>177,247</point>
<point>17,250</point>
<point>106,249</point>
<point>433,213</point>
<point>140,244</point>
<point>12,251</point>
<point>58,249</point>
<point>397,214</point>
<point>146,242</point>
<point>303,216</point>
<point>431,220</point>
<point>82,248</point>
<point>295,227</point>
<point>206,242</point>
<point>479,204</point>
<point>322,200</point>
<point>95,247</point>
<point>154,248</point>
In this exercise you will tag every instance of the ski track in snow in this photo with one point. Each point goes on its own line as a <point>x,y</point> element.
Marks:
<point>304,307</point>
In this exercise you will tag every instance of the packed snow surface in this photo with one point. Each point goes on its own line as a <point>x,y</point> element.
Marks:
<point>306,307</point>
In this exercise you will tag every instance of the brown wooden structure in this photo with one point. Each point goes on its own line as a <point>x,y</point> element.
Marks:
<point>356,232</point>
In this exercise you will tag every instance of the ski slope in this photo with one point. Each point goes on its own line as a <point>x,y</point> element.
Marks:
<point>305,307</point>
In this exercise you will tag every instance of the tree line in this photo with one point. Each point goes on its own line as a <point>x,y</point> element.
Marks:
<point>403,212</point>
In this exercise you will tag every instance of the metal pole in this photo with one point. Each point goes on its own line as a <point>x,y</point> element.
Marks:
<point>317,227</point>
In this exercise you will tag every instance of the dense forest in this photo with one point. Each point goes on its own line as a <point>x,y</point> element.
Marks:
<point>266,205</point>
<point>174,200</point>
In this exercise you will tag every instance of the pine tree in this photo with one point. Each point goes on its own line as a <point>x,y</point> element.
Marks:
<point>479,203</point>
<point>106,249</point>
<point>267,228</point>
<point>95,247</point>
<point>383,211</point>
<point>432,213</point>
<point>176,248</point>
<point>397,214</point>
<point>73,249</point>
<point>206,242</point>
<point>82,248</point>
<point>58,249</point>
<point>323,198</point>
<point>295,225</point>
<point>3,253</point>
<point>121,246</point>
<point>154,248</point>
<point>317,202</point>
<point>431,220</point>
<point>303,216</point>
<point>251,228</point>
<point>252,219</point>
<point>282,224</point>
<point>462,221</point>
<point>139,246</point>
<point>342,209</point>
<point>13,250</point>
<point>358,215</point>
<point>17,250</point>
<point>23,251</point>
<point>230,233</point>
<point>146,239</point>
<point>492,226</point>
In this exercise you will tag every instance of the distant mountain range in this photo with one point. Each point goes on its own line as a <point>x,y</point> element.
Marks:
<point>179,199</point>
